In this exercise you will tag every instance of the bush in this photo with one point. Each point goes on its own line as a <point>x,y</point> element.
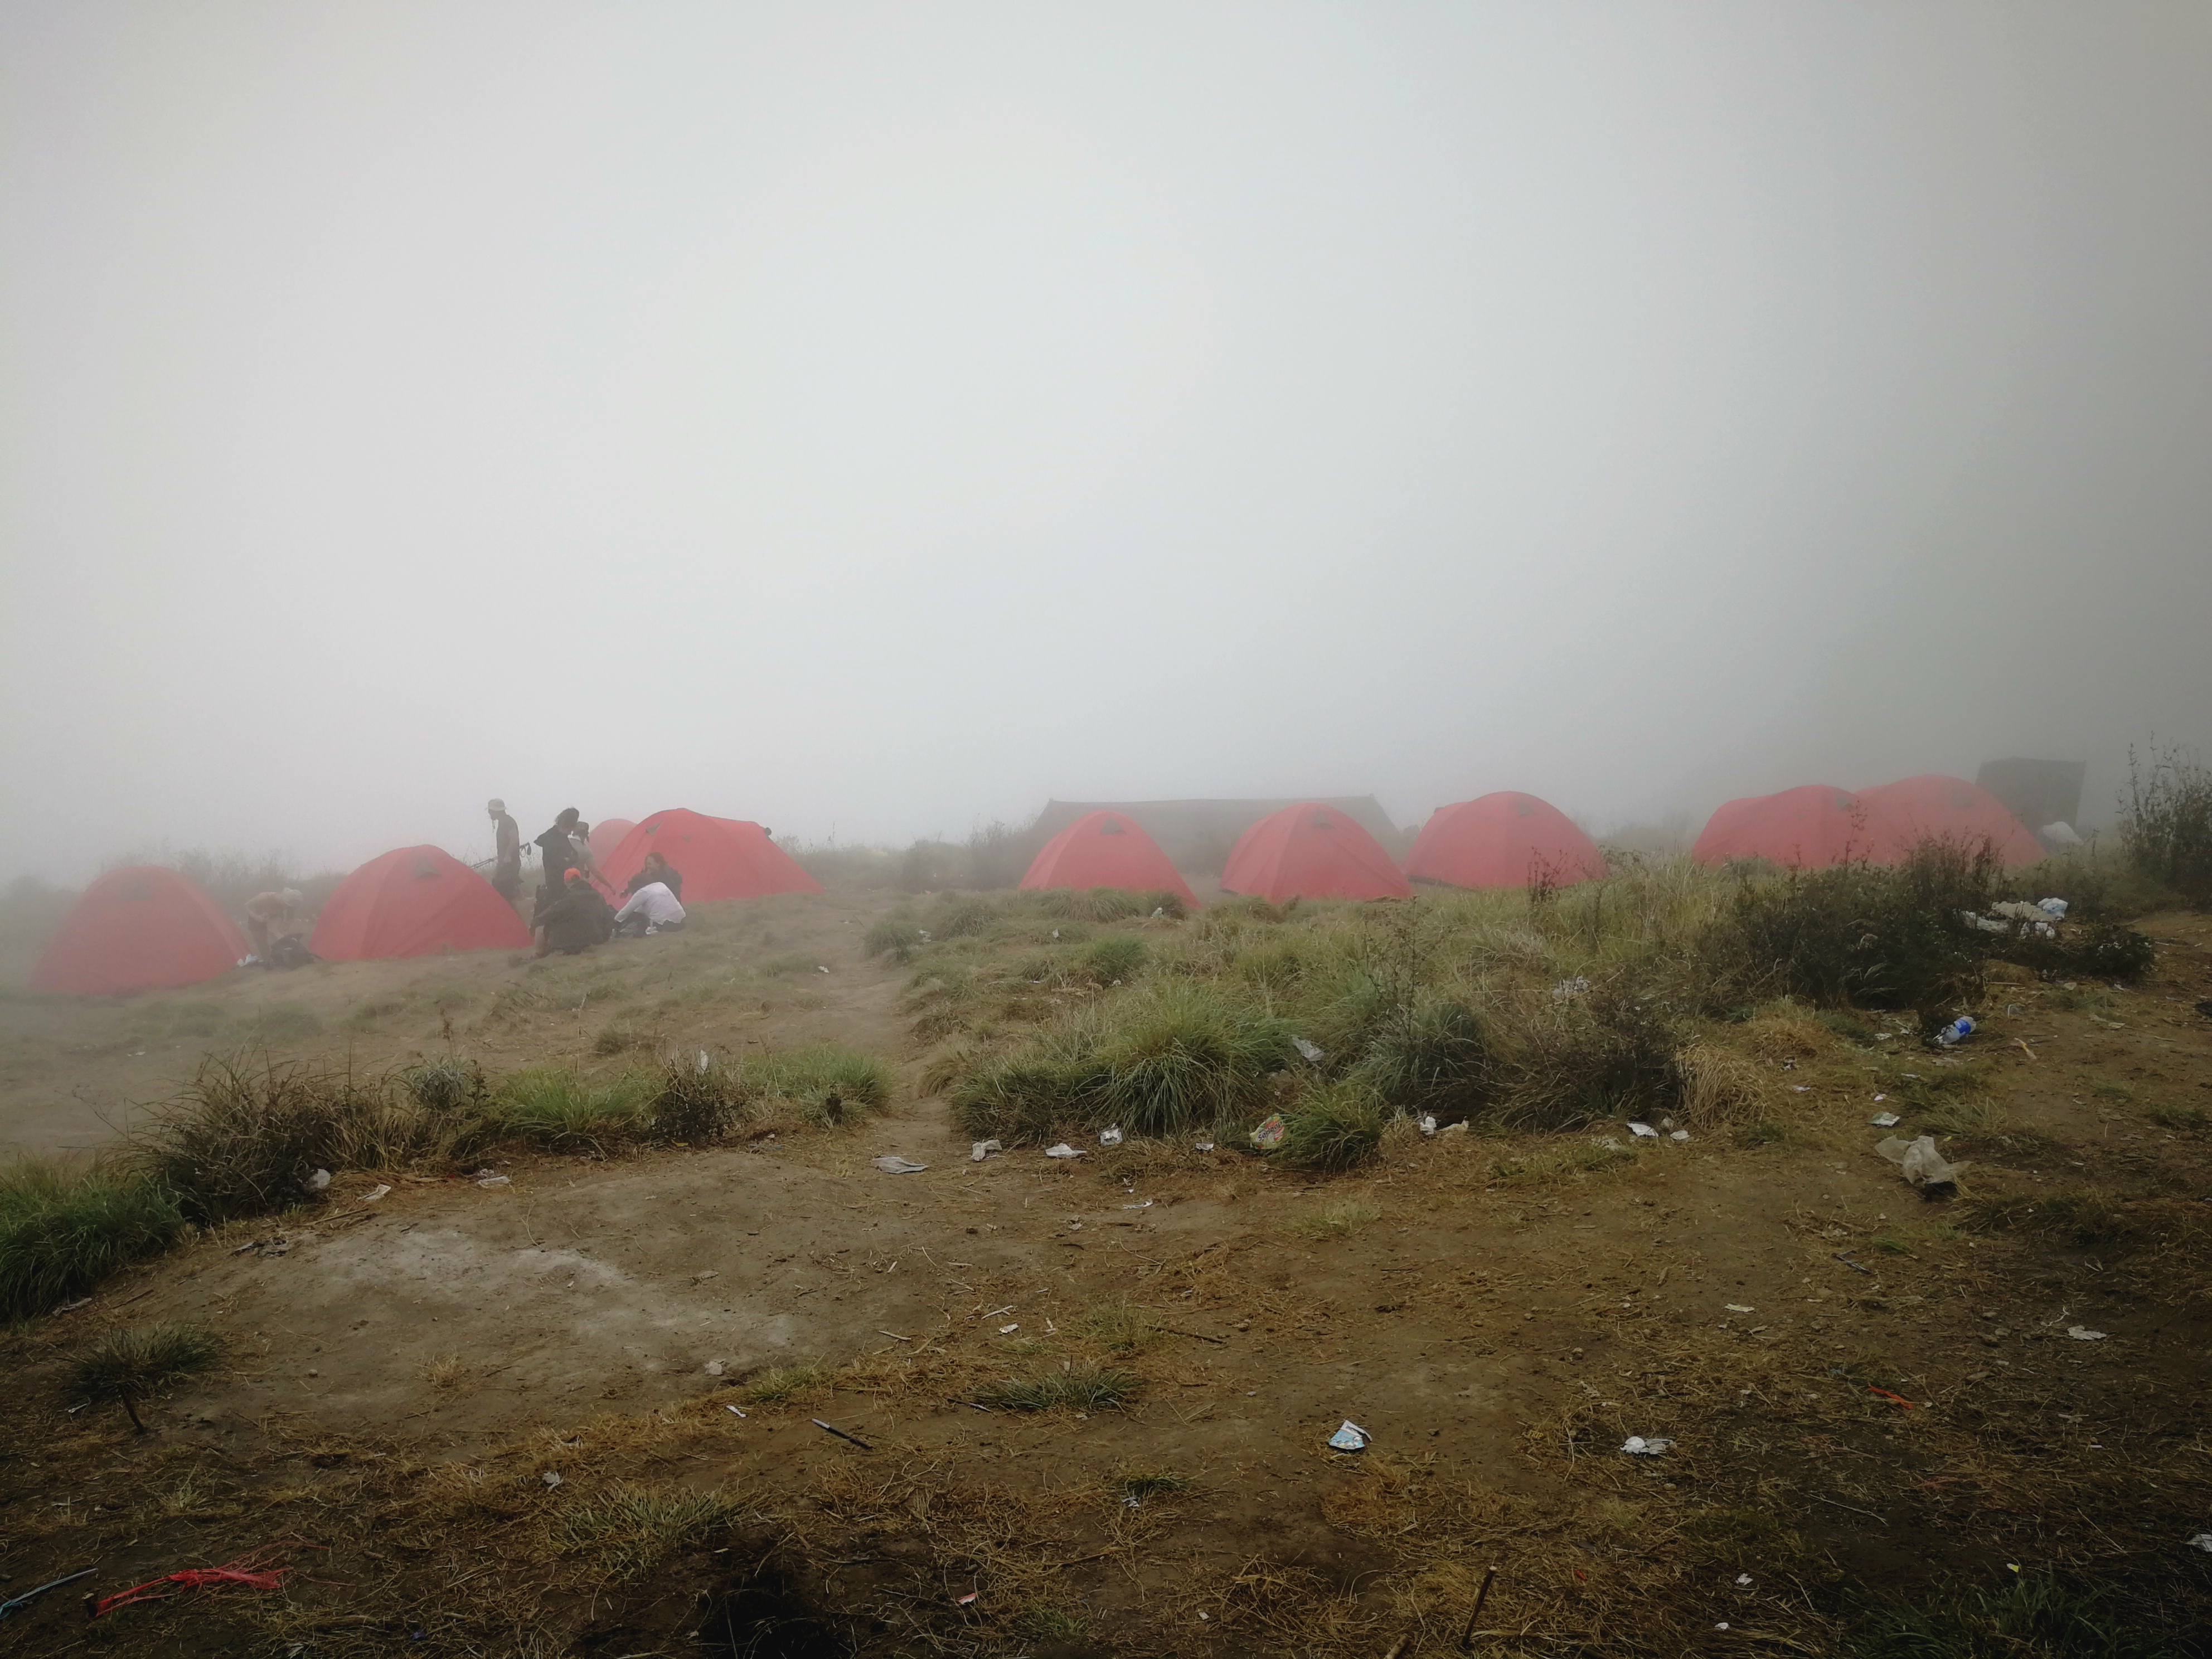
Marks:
<point>1336,1126</point>
<point>62,1229</point>
<point>1097,905</point>
<point>566,1111</point>
<point>127,1367</point>
<point>694,1103</point>
<point>828,1084</point>
<point>1120,957</point>
<point>446,1085</point>
<point>1183,1059</point>
<point>2166,824</point>
<point>244,1136</point>
<point>1429,1057</point>
<point>897,934</point>
<point>1609,1052</point>
<point>1161,1060</point>
<point>1856,934</point>
<point>2100,949</point>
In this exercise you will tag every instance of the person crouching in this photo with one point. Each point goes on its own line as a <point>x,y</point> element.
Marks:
<point>651,909</point>
<point>576,920</point>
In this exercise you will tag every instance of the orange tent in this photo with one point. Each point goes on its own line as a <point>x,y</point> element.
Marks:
<point>1503,840</point>
<point>142,928</point>
<point>1106,849</point>
<point>1311,851</point>
<point>413,902</point>
<point>1934,808</point>
<point>718,858</point>
<point>1808,828</point>
<point>607,835</point>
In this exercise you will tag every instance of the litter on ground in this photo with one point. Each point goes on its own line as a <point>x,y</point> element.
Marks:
<point>1884,1119</point>
<point>1643,1132</point>
<point>1109,1137</point>
<point>1636,1446</point>
<point>892,1164</point>
<point>1922,1165</point>
<point>983,1149</point>
<point>1062,1151</point>
<point>1269,1134</point>
<point>1349,1437</point>
<point>2083,1334</point>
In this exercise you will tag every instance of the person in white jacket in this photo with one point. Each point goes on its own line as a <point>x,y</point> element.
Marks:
<point>651,909</point>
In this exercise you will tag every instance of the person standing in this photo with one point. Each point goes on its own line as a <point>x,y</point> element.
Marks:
<point>507,865</point>
<point>557,852</point>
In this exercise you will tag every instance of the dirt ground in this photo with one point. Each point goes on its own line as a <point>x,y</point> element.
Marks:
<point>1865,1392</point>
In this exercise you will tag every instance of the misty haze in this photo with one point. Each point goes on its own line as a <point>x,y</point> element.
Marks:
<point>1143,829</point>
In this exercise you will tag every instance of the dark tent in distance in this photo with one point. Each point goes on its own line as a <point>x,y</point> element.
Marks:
<point>1311,851</point>
<point>415,902</point>
<point>141,928</point>
<point>719,858</point>
<point>1503,840</point>
<point>1808,828</point>
<point>607,835</point>
<point>1106,849</point>
<point>1932,807</point>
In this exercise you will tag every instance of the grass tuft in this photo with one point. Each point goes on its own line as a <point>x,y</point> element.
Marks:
<point>128,1367</point>
<point>1074,1390</point>
<point>64,1228</point>
<point>1338,1126</point>
<point>631,1528</point>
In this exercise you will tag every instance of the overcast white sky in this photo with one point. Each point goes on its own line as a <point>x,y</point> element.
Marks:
<point>871,419</point>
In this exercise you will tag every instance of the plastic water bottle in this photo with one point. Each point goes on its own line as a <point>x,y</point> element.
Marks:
<point>1956,1032</point>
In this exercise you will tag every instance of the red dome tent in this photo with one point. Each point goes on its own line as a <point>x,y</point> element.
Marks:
<point>719,858</point>
<point>413,902</point>
<point>1503,840</point>
<point>1106,849</point>
<point>607,835</point>
<point>1808,828</point>
<point>1311,851</point>
<point>142,928</point>
<point>1932,807</point>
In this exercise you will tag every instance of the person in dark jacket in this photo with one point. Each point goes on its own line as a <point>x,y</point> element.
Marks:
<point>557,852</point>
<point>655,868</point>
<point>576,920</point>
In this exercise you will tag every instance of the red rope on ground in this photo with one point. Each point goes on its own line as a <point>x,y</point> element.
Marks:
<point>254,1571</point>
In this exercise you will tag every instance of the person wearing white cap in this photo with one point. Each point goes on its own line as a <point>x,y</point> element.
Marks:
<point>507,871</point>
<point>271,917</point>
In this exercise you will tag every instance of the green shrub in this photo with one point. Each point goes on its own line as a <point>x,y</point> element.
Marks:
<point>245,1135</point>
<point>1096,904</point>
<point>63,1229</point>
<point>693,1103</point>
<point>1856,934</point>
<point>1609,1053</point>
<point>896,933</point>
<point>1336,1126</point>
<point>1117,957</point>
<point>1023,1097</point>
<point>828,1084</point>
<point>1183,1058</point>
<point>2100,949</point>
<point>446,1085</point>
<point>2166,824</point>
<point>127,1367</point>
<point>566,1111</point>
<point>1429,1057</point>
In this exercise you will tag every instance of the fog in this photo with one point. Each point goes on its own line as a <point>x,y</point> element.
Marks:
<point>874,420</point>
